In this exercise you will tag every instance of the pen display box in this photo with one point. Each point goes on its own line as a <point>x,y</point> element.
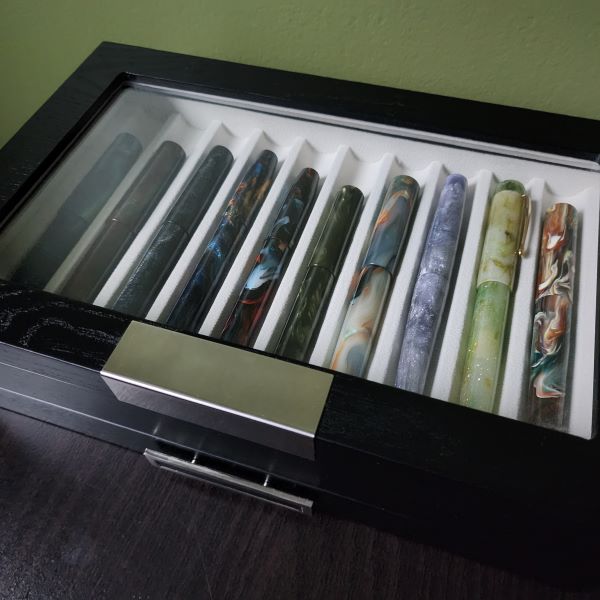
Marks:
<point>240,417</point>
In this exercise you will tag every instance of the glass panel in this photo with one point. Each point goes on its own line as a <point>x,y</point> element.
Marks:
<point>438,265</point>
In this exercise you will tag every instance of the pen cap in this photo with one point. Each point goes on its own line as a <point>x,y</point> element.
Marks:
<point>506,230</point>
<point>90,196</point>
<point>339,227</point>
<point>442,238</point>
<point>557,251</point>
<point>252,189</point>
<point>201,189</point>
<point>385,246</point>
<point>149,185</point>
<point>295,208</point>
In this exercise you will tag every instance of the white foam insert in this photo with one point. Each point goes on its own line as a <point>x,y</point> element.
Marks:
<point>343,152</point>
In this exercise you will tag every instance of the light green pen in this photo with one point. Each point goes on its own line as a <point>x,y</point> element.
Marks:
<point>503,245</point>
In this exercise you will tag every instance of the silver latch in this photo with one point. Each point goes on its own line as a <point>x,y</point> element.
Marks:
<point>263,491</point>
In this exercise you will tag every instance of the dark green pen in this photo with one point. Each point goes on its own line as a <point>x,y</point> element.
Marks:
<point>299,333</point>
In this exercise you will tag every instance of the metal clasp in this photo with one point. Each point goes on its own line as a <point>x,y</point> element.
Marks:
<point>524,225</point>
<point>263,491</point>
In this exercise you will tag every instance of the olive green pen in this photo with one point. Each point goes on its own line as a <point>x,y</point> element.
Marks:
<point>300,330</point>
<point>503,244</point>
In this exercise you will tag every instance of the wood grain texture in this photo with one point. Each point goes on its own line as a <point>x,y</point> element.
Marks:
<point>539,470</point>
<point>82,519</point>
<point>70,331</point>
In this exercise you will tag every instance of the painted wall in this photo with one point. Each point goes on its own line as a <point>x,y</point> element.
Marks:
<point>542,54</point>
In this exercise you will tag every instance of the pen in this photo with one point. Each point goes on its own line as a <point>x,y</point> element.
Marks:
<point>551,336</point>
<point>299,332</point>
<point>248,313</point>
<point>169,242</point>
<point>431,286</point>
<point>123,224</point>
<point>243,206</point>
<point>384,253</point>
<point>78,211</point>
<point>503,244</point>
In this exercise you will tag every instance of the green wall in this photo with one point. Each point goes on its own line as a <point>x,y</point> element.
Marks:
<point>538,54</point>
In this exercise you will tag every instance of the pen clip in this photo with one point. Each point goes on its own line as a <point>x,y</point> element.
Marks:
<point>524,225</point>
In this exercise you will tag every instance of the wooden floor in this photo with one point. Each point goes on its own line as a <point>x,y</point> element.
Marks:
<point>86,520</point>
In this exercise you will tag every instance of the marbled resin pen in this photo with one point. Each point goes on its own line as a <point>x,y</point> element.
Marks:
<point>303,321</point>
<point>503,244</point>
<point>242,208</point>
<point>431,287</point>
<point>249,311</point>
<point>547,403</point>
<point>173,235</point>
<point>384,253</point>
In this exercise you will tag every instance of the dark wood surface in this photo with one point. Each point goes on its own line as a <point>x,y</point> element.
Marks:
<point>84,519</point>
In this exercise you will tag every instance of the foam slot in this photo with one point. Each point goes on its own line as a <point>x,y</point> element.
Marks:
<point>382,173</point>
<point>244,260</point>
<point>301,155</point>
<point>196,149</point>
<point>520,318</point>
<point>175,130</point>
<point>336,169</point>
<point>581,360</point>
<point>183,270</point>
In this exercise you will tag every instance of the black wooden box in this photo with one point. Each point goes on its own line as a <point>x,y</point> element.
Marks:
<point>300,436</point>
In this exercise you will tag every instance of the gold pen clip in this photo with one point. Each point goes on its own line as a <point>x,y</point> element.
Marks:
<point>525,225</point>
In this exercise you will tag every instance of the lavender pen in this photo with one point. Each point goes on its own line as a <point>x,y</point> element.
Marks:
<point>431,288</point>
